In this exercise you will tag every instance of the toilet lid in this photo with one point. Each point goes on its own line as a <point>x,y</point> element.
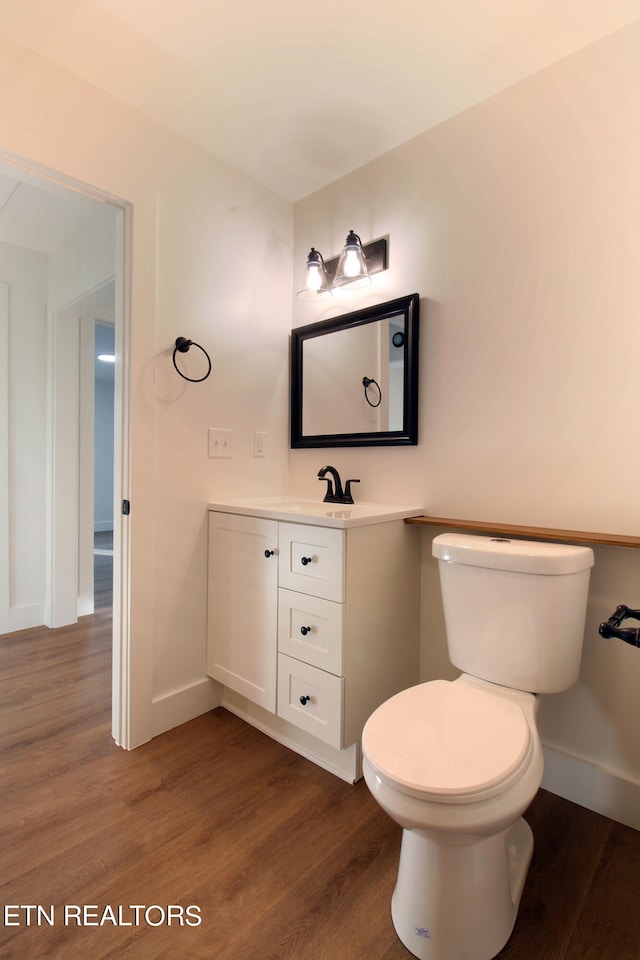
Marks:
<point>445,738</point>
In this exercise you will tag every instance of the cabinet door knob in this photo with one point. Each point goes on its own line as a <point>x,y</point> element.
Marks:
<point>305,560</point>
<point>304,700</point>
<point>269,553</point>
<point>305,630</point>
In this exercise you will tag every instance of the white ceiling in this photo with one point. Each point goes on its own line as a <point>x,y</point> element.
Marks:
<point>296,93</point>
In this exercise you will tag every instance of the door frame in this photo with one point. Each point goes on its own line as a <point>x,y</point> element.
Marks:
<point>121,636</point>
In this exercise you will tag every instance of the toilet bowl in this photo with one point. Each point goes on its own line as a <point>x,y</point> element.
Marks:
<point>456,763</point>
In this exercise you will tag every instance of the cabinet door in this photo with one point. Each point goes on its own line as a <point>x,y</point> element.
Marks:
<point>243,605</point>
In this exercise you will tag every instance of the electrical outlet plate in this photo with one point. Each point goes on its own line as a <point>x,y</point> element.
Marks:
<point>220,442</point>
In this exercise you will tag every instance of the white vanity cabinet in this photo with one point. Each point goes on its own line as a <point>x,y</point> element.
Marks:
<point>313,619</point>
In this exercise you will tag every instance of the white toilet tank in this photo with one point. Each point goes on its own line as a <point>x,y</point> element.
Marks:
<point>514,609</point>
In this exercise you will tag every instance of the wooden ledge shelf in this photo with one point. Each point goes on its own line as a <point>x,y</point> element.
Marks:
<point>531,533</point>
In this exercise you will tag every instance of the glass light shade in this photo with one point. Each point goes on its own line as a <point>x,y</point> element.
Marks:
<point>318,285</point>
<point>352,267</point>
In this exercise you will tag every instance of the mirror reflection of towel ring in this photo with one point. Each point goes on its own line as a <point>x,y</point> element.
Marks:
<point>366,383</point>
<point>182,346</point>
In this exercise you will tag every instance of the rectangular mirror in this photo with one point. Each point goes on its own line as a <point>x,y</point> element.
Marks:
<point>354,378</point>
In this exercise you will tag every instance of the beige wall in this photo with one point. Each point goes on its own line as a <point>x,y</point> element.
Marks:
<point>26,273</point>
<point>517,222</point>
<point>211,260</point>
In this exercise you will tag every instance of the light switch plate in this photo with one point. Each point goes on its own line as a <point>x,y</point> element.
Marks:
<point>220,442</point>
<point>259,443</point>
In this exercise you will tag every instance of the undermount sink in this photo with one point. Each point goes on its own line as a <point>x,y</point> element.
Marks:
<point>317,511</point>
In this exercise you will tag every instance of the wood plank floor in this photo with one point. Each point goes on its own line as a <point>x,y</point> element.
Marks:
<point>281,858</point>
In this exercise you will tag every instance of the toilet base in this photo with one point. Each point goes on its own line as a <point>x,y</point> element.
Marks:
<point>459,900</point>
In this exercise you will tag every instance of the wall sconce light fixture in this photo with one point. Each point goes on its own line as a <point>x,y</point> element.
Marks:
<point>352,269</point>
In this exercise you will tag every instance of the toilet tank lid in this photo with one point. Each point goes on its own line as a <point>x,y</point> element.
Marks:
<point>522,556</point>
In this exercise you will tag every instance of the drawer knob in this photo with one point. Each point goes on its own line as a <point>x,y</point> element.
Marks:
<point>305,560</point>
<point>304,700</point>
<point>305,630</point>
<point>268,553</point>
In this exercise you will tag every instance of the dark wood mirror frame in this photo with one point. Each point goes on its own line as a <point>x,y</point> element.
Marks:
<point>405,307</point>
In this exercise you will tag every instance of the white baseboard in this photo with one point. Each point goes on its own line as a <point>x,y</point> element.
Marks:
<point>592,786</point>
<point>25,617</point>
<point>345,764</point>
<point>86,606</point>
<point>179,706</point>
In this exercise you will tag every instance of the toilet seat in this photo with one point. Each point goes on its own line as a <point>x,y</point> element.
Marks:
<point>448,742</point>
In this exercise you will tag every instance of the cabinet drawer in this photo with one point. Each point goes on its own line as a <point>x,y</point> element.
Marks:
<point>311,629</point>
<point>311,699</point>
<point>311,560</point>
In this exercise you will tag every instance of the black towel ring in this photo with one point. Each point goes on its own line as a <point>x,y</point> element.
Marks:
<point>366,383</point>
<point>182,346</point>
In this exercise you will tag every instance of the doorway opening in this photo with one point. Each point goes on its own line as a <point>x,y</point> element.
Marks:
<point>64,249</point>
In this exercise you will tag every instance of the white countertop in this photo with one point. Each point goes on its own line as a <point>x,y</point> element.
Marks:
<point>317,512</point>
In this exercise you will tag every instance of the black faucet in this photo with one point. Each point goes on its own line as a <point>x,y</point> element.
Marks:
<point>336,494</point>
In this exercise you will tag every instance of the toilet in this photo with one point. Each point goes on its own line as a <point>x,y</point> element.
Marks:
<point>456,763</point>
